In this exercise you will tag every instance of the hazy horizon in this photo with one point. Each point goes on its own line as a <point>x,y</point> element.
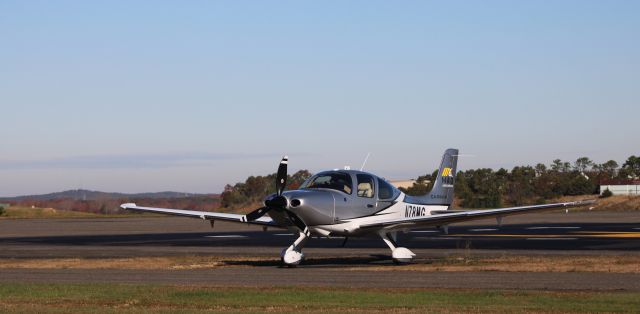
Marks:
<point>152,96</point>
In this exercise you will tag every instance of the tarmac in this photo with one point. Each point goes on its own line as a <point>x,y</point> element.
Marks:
<point>583,233</point>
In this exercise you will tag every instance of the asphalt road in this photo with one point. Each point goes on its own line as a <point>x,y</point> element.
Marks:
<point>579,233</point>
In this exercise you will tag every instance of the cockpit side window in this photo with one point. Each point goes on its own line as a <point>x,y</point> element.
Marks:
<point>365,185</point>
<point>385,190</point>
<point>330,180</point>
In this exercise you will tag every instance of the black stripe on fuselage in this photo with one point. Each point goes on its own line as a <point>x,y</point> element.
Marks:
<point>427,204</point>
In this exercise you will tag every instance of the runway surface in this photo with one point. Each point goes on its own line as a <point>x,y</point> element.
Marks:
<point>579,233</point>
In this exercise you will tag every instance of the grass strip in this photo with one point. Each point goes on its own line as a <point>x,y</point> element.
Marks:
<point>127,298</point>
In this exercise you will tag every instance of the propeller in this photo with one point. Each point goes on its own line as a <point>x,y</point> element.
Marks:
<point>281,176</point>
<point>278,202</point>
<point>297,221</point>
<point>257,213</point>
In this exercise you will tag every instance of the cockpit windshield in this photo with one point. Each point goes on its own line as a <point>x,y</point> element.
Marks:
<point>330,180</point>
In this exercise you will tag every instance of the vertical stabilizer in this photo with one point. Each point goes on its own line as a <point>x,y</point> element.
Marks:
<point>442,191</point>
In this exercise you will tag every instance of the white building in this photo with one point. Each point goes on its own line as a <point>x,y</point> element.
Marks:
<point>620,187</point>
<point>406,183</point>
<point>403,183</point>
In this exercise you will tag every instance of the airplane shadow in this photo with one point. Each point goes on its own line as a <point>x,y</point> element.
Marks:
<point>328,262</point>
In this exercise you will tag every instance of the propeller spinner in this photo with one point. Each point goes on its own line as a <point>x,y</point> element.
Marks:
<point>278,202</point>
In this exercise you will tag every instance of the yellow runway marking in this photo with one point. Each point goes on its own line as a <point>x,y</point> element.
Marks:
<point>579,234</point>
<point>542,228</point>
<point>546,239</point>
<point>512,235</point>
<point>608,234</point>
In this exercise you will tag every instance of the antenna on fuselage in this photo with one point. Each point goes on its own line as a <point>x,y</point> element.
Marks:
<point>365,161</point>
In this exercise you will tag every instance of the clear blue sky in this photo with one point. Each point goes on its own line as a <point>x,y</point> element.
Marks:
<point>136,96</point>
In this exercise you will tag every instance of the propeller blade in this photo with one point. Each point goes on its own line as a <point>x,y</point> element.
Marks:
<point>281,177</point>
<point>257,213</point>
<point>297,221</point>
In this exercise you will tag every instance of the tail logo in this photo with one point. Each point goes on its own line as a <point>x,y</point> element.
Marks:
<point>447,177</point>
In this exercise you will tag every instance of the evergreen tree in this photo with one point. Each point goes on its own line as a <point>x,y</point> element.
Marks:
<point>632,166</point>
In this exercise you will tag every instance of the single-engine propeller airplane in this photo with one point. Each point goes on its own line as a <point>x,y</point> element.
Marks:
<point>349,203</point>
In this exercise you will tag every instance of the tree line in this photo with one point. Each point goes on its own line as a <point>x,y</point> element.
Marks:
<point>484,187</point>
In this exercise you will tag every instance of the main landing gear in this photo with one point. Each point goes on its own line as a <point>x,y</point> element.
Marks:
<point>292,256</point>
<point>400,255</point>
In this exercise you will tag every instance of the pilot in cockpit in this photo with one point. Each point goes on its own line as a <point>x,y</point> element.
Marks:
<point>340,184</point>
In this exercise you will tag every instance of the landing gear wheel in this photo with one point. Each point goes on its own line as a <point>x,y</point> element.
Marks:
<point>291,257</point>
<point>402,255</point>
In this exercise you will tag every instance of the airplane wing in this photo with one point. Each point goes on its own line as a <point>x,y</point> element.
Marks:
<point>444,218</point>
<point>263,221</point>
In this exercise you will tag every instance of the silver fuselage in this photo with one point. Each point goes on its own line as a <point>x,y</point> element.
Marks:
<point>335,212</point>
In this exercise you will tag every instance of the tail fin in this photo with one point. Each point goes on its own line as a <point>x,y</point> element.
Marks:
<point>442,191</point>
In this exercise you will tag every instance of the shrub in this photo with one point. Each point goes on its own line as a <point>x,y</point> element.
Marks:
<point>2,211</point>
<point>606,193</point>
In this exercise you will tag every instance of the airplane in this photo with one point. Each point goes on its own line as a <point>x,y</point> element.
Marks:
<point>351,203</point>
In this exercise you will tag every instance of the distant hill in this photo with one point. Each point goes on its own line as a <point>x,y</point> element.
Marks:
<point>87,195</point>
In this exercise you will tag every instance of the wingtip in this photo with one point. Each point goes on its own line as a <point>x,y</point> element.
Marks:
<point>128,205</point>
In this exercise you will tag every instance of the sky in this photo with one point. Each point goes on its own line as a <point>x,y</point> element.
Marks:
<point>144,96</point>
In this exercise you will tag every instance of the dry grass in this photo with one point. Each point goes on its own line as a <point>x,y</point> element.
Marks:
<point>609,264</point>
<point>164,263</point>
<point>619,202</point>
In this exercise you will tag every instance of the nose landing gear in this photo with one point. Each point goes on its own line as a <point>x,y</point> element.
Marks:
<point>292,256</point>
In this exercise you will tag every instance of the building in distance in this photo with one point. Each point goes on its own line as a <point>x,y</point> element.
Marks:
<point>621,186</point>
<point>405,184</point>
